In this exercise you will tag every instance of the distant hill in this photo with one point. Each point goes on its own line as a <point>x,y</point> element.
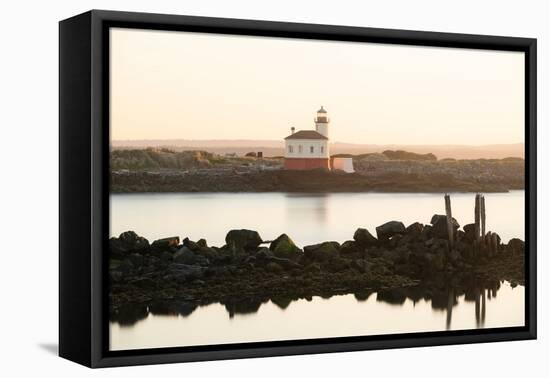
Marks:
<point>276,148</point>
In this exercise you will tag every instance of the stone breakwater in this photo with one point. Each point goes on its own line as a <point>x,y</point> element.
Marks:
<point>248,267</point>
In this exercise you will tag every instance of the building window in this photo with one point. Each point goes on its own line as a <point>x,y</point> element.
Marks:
<point>300,149</point>
<point>311,149</point>
<point>322,149</point>
<point>290,149</point>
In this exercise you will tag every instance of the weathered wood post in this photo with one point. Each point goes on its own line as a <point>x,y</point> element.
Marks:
<point>449,214</point>
<point>477,216</point>
<point>483,307</point>
<point>477,306</point>
<point>482,211</point>
<point>450,303</point>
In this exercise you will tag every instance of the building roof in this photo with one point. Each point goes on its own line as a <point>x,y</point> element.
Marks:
<point>322,110</point>
<point>306,134</point>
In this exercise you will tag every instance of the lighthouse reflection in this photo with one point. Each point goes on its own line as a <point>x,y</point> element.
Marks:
<point>312,208</point>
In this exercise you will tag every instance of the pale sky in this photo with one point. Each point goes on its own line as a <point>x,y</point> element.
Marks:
<point>180,85</point>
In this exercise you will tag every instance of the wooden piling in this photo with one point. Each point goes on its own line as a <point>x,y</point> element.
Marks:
<point>482,211</point>
<point>477,217</point>
<point>483,308</point>
<point>449,214</point>
<point>477,307</point>
<point>450,304</point>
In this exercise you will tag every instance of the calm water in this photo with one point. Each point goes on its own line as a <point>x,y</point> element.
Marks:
<point>308,219</point>
<point>178,324</point>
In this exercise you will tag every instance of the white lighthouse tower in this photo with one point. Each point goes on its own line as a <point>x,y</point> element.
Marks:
<point>321,122</point>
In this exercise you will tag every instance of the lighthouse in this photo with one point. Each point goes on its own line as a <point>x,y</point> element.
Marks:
<point>309,149</point>
<point>321,122</point>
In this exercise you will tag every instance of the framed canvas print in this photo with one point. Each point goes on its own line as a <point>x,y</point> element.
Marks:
<point>236,188</point>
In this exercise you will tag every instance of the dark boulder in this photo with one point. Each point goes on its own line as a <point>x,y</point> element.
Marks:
<point>133,240</point>
<point>184,255</point>
<point>284,247</point>
<point>414,229</point>
<point>439,224</point>
<point>243,239</point>
<point>364,238</point>
<point>166,243</point>
<point>190,244</point>
<point>516,246</point>
<point>126,243</point>
<point>351,247</point>
<point>323,251</point>
<point>387,230</point>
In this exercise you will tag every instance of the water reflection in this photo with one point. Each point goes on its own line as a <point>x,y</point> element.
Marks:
<point>312,208</point>
<point>441,298</point>
<point>307,217</point>
<point>242,306</point>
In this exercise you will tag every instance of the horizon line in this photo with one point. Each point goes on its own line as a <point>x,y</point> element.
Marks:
<point>340,142</point>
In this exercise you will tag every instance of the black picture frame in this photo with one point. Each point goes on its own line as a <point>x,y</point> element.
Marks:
<point>84,186</point>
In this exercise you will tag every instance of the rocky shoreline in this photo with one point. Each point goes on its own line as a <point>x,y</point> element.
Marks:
<point>311,181</point>
<point>247,270</point>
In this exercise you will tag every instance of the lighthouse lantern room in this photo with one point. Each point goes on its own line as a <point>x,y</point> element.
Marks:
<point>321,122</point>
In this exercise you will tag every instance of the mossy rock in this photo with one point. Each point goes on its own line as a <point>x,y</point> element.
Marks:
<point>284,247</point>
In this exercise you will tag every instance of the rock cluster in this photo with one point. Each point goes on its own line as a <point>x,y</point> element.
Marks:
<point>246,265</point>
